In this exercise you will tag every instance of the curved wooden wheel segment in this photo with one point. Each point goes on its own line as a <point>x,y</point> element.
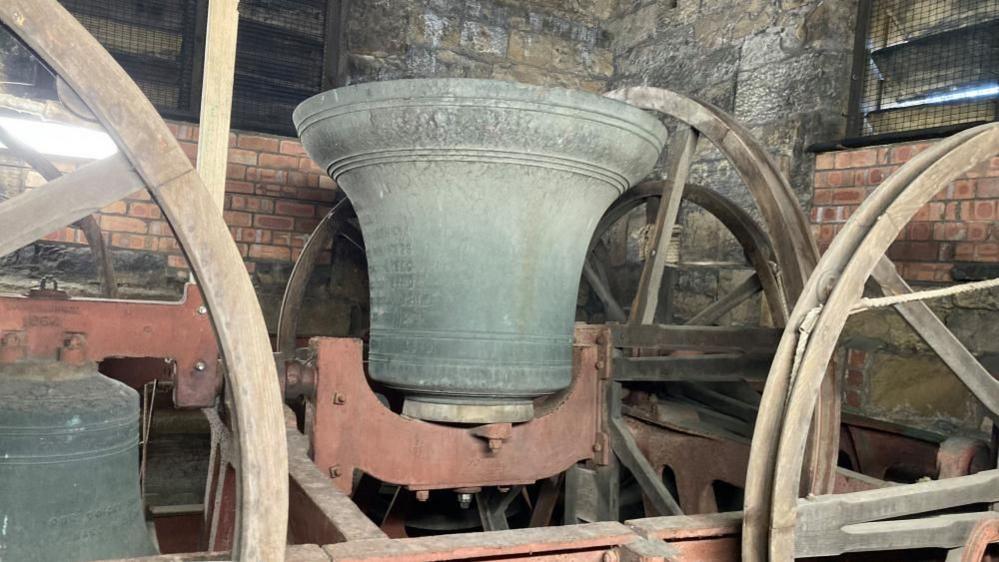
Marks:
<point>794,247</point>
<point>752,239</point>
<point>779,526</point>
<point>150,157</point>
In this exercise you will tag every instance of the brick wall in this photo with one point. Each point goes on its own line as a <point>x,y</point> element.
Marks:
<point>275,196</point>
<point>888,371</point>
<point>958,226</point>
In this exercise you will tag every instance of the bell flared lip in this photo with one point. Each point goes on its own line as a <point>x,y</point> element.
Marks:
<point>377,95</point>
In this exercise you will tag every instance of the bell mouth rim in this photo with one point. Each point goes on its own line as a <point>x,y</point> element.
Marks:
<point>308,112</point>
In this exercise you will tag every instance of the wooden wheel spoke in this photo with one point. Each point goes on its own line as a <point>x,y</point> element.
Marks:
<point>64,201</point>
<point>597,278</point>
<point>833,524</point>
<point>740,294</point>
<point>935,333</point>
<point>88,224</point>
<point>681,154</point>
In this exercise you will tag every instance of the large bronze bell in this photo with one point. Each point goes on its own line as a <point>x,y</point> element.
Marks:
<point>477,199</point>
<point>69,465</point>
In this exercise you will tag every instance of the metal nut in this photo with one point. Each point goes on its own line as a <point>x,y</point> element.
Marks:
<point>200,366</point>
<point>335,471</point>
<point>422,495</point>
<point>339,399</point>
<point>202,310</point>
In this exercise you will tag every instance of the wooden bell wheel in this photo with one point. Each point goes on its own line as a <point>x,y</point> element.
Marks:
<point>778,525</point>
<point>150,157</point>
<point>794,249</point>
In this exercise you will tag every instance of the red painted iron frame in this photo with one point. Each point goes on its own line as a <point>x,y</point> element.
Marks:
<point>419,455</point>
<point>49,325</point>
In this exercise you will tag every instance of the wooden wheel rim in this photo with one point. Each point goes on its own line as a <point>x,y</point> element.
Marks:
<point>142,136</point>
<point>841,274</point>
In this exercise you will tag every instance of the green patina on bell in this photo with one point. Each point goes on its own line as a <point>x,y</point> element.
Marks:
<point>477,200</point>
<point>69,465</point>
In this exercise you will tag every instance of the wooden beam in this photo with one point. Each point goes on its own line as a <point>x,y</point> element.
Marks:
<point>681,154</point>
<point>216,95</point>
<point>64,201</point>
<point>718,367</point>
<point>699,338</point>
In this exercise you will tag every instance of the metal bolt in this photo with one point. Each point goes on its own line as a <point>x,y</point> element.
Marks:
<point>464,500</point>
<point>202,310</point>
<point>601,339</point>
<point>597,447</point>
<point>200,366</point>
<point>422,495</point>
<point>339,399</point>
<point>335,471</point>
<point>600,364</point>
<point>495,444</point>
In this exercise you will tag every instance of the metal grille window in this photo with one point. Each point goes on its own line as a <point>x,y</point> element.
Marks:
<point>924,67</point>
<point>286,52</point>
<point>155,41</point>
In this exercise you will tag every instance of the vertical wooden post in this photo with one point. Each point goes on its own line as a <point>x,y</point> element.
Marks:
<point>216,95</point>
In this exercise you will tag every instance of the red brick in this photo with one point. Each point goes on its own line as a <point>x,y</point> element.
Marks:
<point>981,210</point>
<point>849,195</point>
<point>857,158</point>
<point>961,189</point>
<point>950,212</point>
<point>160,228</point>
<point>123,224</point>
<point>273,222</point>
<point>964,251</point>
<point>134,241</point>
<point>235,171</point>
<point>255,235</point>
<point>877,175</point>
<point>294,209</point>
<point>930,212</point>
<point>268,252</point>
<point>266,175</point>
<point>237,218</point>
<point>822,197</point>
<point>168,246</point>
<point>251,204</point>
<point>187,132</point>
<point>191,150</point>
<point>258,143</point>
<point>321,195</point>
<point>306,225</point>
<point>61,235</point>
<point>245,157</point>
<point>920,230</point>
<point>950,231</point>
<point>978,231</point>
<point>987,251</point>
<point>301,179</point>
<point>825,161</point>
<point>854,379</point>
<point>116,208</point>
<point>177,261</point>
<point>279,161</point>
<point>281,238</point>
<point>238,187</point>
<point>307,165</point>
<point>145,210</point>
<point>293,148</point>
<point>856,358</point>
<point>988,187</point>
<point>852,399</point>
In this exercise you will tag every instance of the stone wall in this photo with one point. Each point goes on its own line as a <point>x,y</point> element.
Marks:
<point>275,197</point>
<point>533,41</point>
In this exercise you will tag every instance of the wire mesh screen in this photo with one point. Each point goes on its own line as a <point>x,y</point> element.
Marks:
<point>279,61</point>
<point>925,65</point>
<point>154,41</point>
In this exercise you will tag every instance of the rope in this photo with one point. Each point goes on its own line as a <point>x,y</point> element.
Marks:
<point>881,302</point>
